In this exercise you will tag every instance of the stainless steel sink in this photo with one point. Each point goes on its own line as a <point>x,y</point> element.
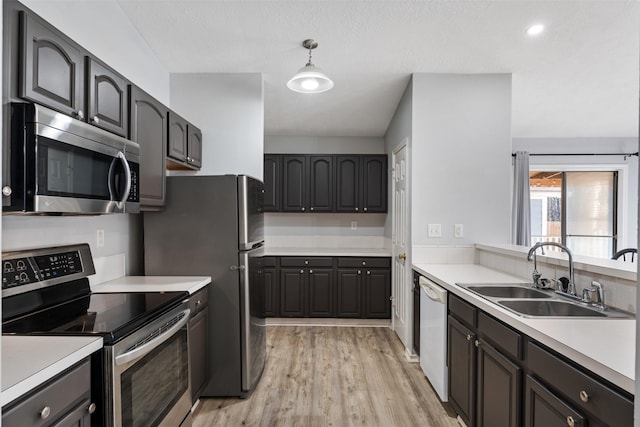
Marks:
<point>553,308</point>
<point>508,291</point>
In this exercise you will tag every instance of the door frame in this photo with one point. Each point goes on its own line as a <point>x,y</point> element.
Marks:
<point>406,340</point>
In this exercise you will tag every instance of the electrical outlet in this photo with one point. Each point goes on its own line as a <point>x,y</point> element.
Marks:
<point>458,230</point>
<point>434,230</point>
<point>354,225</point>
<point>100,238</point>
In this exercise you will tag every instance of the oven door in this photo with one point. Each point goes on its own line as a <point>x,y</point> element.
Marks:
<point>150,374</point>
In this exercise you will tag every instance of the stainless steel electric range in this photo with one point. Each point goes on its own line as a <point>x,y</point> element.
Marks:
<point>141,376</point>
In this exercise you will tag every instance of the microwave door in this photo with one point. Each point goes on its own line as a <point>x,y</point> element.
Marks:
<point>119,182</point>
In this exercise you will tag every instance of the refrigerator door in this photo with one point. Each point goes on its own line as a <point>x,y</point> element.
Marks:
<point>252,323</point>
<point>250,217</point>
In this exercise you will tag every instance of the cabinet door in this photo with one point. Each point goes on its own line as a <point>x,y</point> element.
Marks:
<point>321,184</point>
<point>377,290</point>
<point>198,353</point>
<point>149,129</point>
<point>194,146</point>
<point>177,144</point>
<point>349,291</point>
<point>52,68</point>
<point>294,181</point>
<point>272,164</point>
<point>374,184</point>
<point>347,183</point>
<point>106,98</point>
<point>77,417</point>
<point>321,294</point>
<point>292,292</point>
<point>544,409</point>
<point>271,293</point>
<point>462,370</point>
<point>499,389</point>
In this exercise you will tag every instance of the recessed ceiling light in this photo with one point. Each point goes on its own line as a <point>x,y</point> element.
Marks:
<point>534,30</point>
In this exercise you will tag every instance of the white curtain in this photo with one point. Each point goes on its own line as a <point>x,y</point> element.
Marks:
<point>521,209</point>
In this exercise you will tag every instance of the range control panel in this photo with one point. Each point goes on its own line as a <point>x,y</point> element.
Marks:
<point>22,269</point>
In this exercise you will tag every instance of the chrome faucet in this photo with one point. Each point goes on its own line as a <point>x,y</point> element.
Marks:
<point>571,288</point>
<point>597,289</point>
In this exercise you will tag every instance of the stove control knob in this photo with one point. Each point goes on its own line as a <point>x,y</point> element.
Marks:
<point>45,412</point>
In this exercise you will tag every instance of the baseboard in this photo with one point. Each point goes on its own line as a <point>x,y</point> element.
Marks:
<point>411,356</point>
<point>303,321</point>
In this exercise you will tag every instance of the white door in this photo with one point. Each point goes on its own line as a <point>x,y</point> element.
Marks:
<point>400,267</point>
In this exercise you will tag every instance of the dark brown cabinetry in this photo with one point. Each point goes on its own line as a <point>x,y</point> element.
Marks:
<point>106,98</point>
<point>184,145</point>
<point>328,287</point>
<point>325,183</point>
<point>198,327</point>
<point>149,129</point>
<point>492,383</point>
<point>64,401</point>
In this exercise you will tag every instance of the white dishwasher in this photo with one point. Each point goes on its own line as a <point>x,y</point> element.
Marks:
<point>433,335</point>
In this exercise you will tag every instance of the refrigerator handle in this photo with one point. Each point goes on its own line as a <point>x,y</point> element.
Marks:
<point>245,319</point>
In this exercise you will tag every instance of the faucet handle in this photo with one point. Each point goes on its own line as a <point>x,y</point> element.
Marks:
<point>599,290</point>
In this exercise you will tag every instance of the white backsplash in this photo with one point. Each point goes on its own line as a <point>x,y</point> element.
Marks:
<point>443,255</point>
<point>328,241</point>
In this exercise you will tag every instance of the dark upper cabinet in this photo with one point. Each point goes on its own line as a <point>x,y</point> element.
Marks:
<point>374,184</point>
<point>52,67</point>
<point>272,182</point>
<point>177,143</point>
<point>320,179</point>
<point>348,183</point>
<point>194,146</point>
<point>462,370</point>
<point>106,98</point>
<point>149,129</point>
<point>294,180</point>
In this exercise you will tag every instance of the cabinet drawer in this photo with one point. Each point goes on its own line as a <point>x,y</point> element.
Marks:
<point>371,262</point>
<point>269,261</point>
<point>199,300</point>
<point>603,402</point>
<point>462,310</point>
<point>59,396</point>
<point>500,335</point>
<point>292,261</point>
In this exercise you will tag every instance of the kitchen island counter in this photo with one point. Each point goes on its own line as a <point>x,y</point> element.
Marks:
<point>604,346</point>
<point>190,284</point>
<point>29,361</point>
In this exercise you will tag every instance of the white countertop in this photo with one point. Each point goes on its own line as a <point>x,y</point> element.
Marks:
<point>603,346</point>
<point>28,361</point>
<point>191,284</point>
<point>302,251</point>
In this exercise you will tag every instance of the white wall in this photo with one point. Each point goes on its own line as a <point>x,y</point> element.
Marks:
<point>323,144</point>
<point>627,167</point>
<point>229,109</point>
<point>461,157</point>
<point>101,27</point>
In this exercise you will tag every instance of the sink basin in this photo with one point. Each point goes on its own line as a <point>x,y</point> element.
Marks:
<point>552,308</point>
<point>508,292</point>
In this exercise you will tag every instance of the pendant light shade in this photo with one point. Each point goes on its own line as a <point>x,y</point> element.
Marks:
<point>310,79</point>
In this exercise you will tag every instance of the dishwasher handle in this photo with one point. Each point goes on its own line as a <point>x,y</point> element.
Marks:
<point>433,291</point>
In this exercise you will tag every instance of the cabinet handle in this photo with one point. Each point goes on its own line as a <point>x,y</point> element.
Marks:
<point>306,262</point>
<point>310,209</point>
<point>364,262</point>
<point>302,209</point>
<point>468,337</point>
<point>365,209</point>
<point>6,191</point>
<point>92,408</point>
<point>570,421</point>
<point>368,272</point>
<point>301,271</point>
<point>359,272</point>
<point>79,114</point>
<point>584,396</point>
<point>310,271</point>
<point>95,119</point>
<point>197,303</point>
<point>356,209</point>
<point>477,343</point>
<point>45,412</point>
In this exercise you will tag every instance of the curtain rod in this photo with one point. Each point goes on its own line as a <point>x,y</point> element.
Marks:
<point>581,154</point>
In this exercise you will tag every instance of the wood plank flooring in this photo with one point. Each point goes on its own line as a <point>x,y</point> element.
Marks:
<point>332,376</point>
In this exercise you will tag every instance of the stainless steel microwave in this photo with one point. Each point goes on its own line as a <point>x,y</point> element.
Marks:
<point>60,165</point>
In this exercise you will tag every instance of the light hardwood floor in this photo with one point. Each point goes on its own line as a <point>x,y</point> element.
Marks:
<point>332,376</point>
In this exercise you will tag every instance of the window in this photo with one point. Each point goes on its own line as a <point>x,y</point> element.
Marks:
<point>577,209</point>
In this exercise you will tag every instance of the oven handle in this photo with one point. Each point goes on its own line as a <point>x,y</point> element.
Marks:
<point>148,347</point>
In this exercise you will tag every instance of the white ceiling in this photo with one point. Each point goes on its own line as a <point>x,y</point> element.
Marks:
<point>580,78</point>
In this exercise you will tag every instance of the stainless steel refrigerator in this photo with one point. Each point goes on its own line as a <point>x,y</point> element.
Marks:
<point>213,226</point>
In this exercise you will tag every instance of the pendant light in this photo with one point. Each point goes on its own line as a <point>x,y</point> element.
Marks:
<point>310,79</point>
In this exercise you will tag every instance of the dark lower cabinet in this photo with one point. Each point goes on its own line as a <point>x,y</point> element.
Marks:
<point>271,288</point>
<point>462,370</point>
<point>321,293</point>
<point>545,409</point>
<point>292,292</point>
<point>198,328</point>
<point>349,293</point>
<point>377,293</point>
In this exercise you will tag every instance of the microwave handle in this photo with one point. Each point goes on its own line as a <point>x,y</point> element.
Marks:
<point>127,172</point>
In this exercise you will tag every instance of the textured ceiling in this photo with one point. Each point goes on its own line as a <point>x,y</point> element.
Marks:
<point>579,78</point>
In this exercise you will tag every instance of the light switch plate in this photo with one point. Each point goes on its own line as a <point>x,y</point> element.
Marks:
<point>458,230</point>
<point>100,238</point>
<point>434,230</point>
